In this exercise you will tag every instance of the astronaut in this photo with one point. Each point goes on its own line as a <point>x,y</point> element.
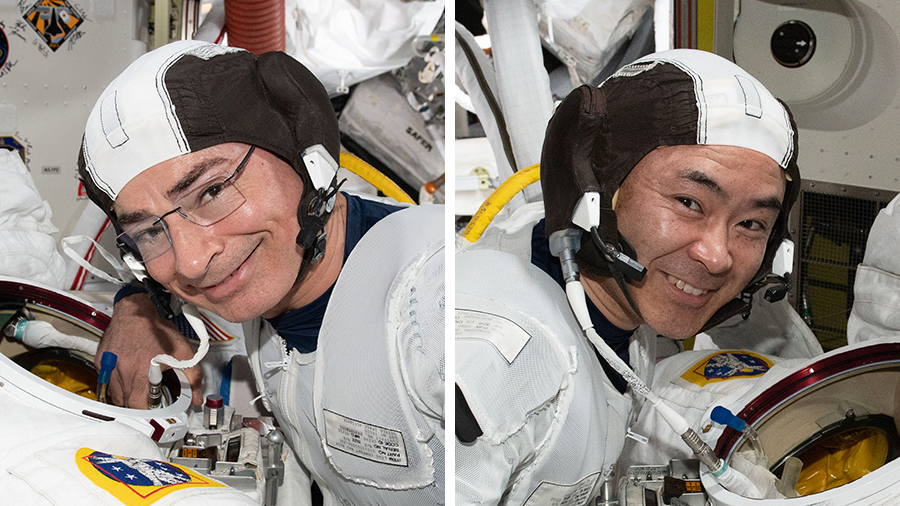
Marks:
<point>667,188</point>
<point>217,169</point>
<point>694,382</point>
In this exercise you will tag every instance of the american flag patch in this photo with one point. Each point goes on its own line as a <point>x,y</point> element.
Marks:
<point>216,333</point>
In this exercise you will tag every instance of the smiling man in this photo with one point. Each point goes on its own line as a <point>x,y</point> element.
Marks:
<point>217,169</point>
<point>217,267</point>
<point>699,218</point>
<point>666,191</point>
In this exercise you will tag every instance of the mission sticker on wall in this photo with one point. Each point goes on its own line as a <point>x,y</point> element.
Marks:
<point>53,20</point>
<point>137,482</point>
<point>4,47</point>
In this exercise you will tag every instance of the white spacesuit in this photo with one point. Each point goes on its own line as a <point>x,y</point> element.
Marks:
<point>503,253</point>
<point>543,420</point>
<point>541,441</point>
<point>375,385</point>
<point>57,457</point>
<point>64,448</point>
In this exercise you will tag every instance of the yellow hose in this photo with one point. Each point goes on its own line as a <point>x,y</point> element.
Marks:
<point>374,177</point>
<point>499,198</point>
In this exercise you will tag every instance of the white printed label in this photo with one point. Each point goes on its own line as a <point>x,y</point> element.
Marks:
<point>504,334</point>
<point>364,440</point>
<point>552,494</point>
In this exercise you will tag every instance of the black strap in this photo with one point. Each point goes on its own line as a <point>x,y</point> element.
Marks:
<point>467,428</point>
<point>615,267</point>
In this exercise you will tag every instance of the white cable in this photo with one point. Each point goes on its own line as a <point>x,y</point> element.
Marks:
<point>576,296</point>
<point>41,334</point>
<point>730,478</point>
<point>193,317</point>
<point>68,246</point>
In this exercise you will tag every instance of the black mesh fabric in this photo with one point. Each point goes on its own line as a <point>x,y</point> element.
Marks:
<point>602,133</point>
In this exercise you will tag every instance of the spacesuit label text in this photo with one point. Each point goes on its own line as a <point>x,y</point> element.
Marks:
<point>553,494</point>
<point>364,440</point>
<point>508,337</point>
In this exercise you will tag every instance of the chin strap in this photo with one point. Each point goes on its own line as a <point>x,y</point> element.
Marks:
<point>161,299</point>
<point>587,217</point>
<point>621,265</point>
<point>312,236</point>
<point>781,285</point>
<point>783,262</point>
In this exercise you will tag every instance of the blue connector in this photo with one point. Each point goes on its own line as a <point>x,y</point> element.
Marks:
<point>107,364</point>
<point>723,416</point>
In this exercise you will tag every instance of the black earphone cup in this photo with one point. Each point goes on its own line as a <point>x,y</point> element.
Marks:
<point>777,292</point>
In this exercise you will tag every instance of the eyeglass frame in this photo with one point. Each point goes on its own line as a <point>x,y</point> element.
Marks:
<point>126,242</point>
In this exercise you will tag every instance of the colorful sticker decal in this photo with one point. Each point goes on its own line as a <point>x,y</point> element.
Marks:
<point>9,141</point>
<point>4,47</point>
<point>137,482</point>
<point>53,20</point>
<point>727,365</point>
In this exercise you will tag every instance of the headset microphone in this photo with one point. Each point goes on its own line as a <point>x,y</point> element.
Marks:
<point>624,263</point>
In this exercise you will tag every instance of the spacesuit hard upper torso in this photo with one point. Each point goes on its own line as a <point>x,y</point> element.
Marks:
<point>364,412</point>
<point>50,456</point>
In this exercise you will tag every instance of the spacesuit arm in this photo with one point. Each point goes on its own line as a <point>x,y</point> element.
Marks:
<point>487,468</point>
<point>421,341</point>
<point>482,473</point>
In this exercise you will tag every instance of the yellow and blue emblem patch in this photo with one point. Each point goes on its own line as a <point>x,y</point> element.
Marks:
<point>727,365</point>
<point>137,482</point>
<point>53,20</point>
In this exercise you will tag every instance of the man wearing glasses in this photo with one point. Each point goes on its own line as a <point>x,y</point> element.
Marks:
<point>218,170</point>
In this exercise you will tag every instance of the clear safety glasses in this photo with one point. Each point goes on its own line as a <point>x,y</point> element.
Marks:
<point>205,204</point>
